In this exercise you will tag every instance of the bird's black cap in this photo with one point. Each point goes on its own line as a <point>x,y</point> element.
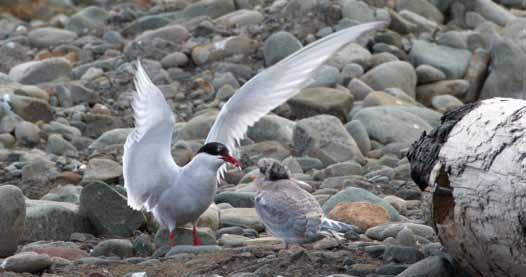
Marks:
<point>214,149</point>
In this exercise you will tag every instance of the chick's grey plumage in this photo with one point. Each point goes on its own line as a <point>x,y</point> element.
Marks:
<point>288,211</point>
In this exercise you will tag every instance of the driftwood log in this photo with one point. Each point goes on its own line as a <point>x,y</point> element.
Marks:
<point>475,163</point>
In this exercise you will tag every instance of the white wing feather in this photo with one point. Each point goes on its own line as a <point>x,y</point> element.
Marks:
<point>148,166</point>
<point>276,85</point>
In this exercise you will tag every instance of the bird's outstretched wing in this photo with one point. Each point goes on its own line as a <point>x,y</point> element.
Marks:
<point>276,84</point>
<point>148,166</point>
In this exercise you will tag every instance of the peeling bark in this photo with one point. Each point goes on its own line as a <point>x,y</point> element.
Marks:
<point>479,188</point>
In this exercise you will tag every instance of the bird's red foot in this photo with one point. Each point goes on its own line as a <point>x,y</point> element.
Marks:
<point>172,238</point>
<point>197,240</point>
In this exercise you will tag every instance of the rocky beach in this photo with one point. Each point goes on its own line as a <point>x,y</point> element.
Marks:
<point>66,84</point>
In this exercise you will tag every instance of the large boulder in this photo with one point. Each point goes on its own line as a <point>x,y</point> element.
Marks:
<point>107,210</point>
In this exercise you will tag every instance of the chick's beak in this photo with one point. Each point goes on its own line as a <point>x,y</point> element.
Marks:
<point>231,160</point>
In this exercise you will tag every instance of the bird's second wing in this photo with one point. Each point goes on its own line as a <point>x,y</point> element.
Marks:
<point>148,166</point>
<point>277,84</point>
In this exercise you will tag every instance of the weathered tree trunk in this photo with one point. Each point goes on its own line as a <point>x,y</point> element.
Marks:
<point>476,164</point>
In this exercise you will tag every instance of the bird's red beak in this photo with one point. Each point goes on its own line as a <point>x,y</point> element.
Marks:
<point>231,160</point>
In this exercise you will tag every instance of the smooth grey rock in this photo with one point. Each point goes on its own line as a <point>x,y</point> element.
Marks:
<point>37,177</point>
<point>324,137</point>
<point>103,170</point>
<point>357,11</point>
<point>453,62</point>
<point>242,217</point>
<point>171,33</point>
<point>321,100</point>
<point>492,11</point>
<point>435,266</point>
<point>359,89</point>
<point>278,46</point>
<point>114,247</point>
<point>12,219</point>
<point>30,262</point>
<point>67,131</point>
<point>507,77</point>
<point>31,109</point>
<point>360,135</point>
<point>444,103</point>
<point>272,127</point>
<point>428,74</point>
<point>36,72</point>
<point>86,20</point>
<point>388,124</point>
<point>394,74</point>
<point>114,217</point>
<point>49,37</point>
<point>384,231</point>
<point>352,53</point>
<point>27,134</point>
<point>326,76</point>
<point>236,199</point>
<point>353,194</point>
<point>111,137</point>
<point>50,220</point>
<point>57,145</point>
<point>65,193</point>
<point>421,7</point>
<point>211,8</point>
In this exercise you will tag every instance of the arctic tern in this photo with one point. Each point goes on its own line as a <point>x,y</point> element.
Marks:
<point>179,195</point>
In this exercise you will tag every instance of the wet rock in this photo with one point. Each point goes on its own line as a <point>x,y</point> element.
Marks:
<point>12,219</point>
<point>321,100</point>
<point>112,218</point>
<point>114,247</point>
<point>324,137</point>
<point>50,220</point>
<point>36,72</point>
<point>278,46</point>
<point>362,214</point>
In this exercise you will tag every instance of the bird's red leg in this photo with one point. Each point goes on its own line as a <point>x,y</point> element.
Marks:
<point>172,238</point>
<point>197,240</point>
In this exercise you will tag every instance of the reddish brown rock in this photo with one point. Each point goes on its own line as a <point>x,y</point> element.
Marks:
<point>362,214</point>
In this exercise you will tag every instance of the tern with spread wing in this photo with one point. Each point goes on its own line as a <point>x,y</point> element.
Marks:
<point>179,195</point>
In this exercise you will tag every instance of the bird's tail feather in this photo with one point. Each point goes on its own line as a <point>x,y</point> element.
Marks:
<point>338,226</point>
